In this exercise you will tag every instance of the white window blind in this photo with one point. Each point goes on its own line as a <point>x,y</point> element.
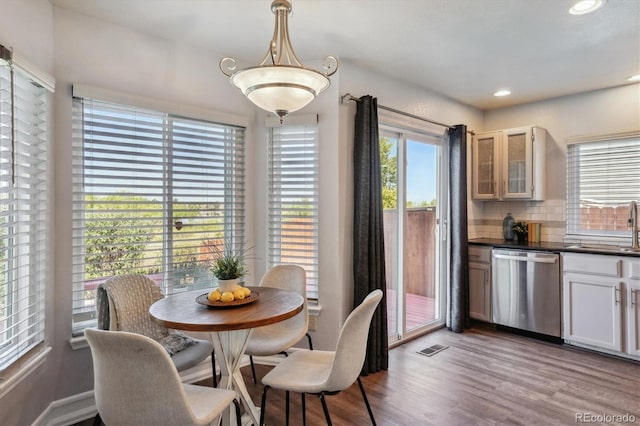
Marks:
<point>602,178</point>
<point>151,190</point>
<point>293,199</point>
<point>23,213</point>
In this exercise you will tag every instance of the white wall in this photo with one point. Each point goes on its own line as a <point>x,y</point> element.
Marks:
<point>27,27</point>
<point>593,113</point>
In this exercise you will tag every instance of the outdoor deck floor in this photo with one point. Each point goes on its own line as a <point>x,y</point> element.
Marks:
<point>419,310</point>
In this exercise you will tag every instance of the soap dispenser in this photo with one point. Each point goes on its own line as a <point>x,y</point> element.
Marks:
<point>507,227</point>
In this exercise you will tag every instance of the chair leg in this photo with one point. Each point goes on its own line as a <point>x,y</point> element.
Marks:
<point>263,408</point>
<point>304,410</point>
<point>238,416</point>
<point>97,420</point>
<point>253,369</point>
<point>325,409</point>
<point>286,397</point>
<point>366,401</point>
<point>310,342</point>
<point>213,369</point>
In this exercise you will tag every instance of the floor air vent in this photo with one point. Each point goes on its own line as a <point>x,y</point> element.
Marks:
<point>432,350</point>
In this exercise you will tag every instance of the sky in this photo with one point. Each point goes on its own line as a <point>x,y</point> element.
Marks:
<point>421,171</point>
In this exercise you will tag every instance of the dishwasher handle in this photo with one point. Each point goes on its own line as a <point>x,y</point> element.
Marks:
<point>536,259</point>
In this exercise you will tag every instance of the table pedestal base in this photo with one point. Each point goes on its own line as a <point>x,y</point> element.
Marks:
<point>229,347</point>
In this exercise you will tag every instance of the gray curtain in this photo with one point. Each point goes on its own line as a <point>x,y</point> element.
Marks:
<point>459,272</point>
<point>368,242</point>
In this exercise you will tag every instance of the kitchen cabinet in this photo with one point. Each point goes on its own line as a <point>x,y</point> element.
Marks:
<point>600,302</point>
<point>509,164</point>
<point>633,309</point>
<point>480,283</point>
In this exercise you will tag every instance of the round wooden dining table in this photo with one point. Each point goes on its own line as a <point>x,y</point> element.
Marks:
<point>230,329</point>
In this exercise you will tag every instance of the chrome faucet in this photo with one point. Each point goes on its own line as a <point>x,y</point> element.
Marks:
<point>633,222</point>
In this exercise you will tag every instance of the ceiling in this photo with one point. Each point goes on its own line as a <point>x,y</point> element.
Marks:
<point>463,49</point>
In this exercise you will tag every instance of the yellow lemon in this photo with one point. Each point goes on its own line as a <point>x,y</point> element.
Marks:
<point>238,294</point>
<point>227,296</point>
<point>246,291</point>
<point>214,295</point>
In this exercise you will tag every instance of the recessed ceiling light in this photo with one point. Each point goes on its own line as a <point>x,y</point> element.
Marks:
<point>586,6</point>
<point>502,93</point>
<point>634,77</point>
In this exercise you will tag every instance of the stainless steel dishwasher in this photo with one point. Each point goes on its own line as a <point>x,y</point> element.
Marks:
<point>526,290</point>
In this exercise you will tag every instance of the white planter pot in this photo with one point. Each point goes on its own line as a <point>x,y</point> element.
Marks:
<point>228,285</point>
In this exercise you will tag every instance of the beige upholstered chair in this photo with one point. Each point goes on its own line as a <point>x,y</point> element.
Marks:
<point>277,338</point>
<point>326,372</point>
<point>136,383</point>
<point>122,304</point>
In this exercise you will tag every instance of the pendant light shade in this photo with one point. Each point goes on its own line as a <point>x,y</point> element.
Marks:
<point>280,83</point>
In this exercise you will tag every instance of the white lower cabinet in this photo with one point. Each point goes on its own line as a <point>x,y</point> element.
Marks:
<point>592,311</point>
<point>633,309</point>
<point>480,283</point>
<point>600,308</point>
<point>480,291</point>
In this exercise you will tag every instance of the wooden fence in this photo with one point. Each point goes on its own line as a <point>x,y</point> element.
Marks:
<point>419,250</point>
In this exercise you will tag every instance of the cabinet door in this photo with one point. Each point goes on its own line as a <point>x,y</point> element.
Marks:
<point>517,170</point>
<point>480,291</point>
<point>485,166</point>
<point>592,311</point>
<point>633,318</point>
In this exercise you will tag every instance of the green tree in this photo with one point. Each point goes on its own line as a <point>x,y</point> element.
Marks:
<point>423,203</point>
<point>389,171</point>
<point>302,208</point>
<point>116,239</point>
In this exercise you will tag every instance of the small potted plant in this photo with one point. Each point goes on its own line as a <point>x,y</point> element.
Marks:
<point>520,229</point>
<point>227,264</point>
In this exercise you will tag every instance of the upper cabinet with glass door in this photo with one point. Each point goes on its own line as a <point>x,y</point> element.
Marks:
<point>486,156</point>
<point>509,164</point>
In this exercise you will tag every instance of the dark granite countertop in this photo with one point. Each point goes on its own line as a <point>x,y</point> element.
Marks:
<point>554,247</point>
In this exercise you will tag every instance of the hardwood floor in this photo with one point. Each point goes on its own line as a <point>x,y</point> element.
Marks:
<point>485,377</point>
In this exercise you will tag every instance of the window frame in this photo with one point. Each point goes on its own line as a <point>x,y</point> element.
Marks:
<point>295,140</point>
<point>234,160</point>
<point>574,217</point>
<point>24,205</point>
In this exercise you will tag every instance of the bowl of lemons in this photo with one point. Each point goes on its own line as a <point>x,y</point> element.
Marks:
<point>219,298</point>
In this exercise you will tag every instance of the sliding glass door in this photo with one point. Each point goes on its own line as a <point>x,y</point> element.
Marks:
<point>414,212</point>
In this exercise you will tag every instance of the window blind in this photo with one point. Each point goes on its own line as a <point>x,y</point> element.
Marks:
<point>23,213</point>
<point>293,199</point>
<point>151,191</point>
<point>603,177</point>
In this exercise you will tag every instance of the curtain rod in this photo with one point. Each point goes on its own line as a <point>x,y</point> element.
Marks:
<point>350,97</point>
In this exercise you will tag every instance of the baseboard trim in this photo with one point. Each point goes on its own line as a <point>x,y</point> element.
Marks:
<point>70,410</point>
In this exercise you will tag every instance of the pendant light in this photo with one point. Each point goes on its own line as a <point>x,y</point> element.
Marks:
<point>280,83</point>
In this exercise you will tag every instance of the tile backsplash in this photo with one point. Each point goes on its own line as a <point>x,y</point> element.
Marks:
<point>485,217</point>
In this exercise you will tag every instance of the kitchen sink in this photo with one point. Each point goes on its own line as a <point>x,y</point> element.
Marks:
<point>604,247</point>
